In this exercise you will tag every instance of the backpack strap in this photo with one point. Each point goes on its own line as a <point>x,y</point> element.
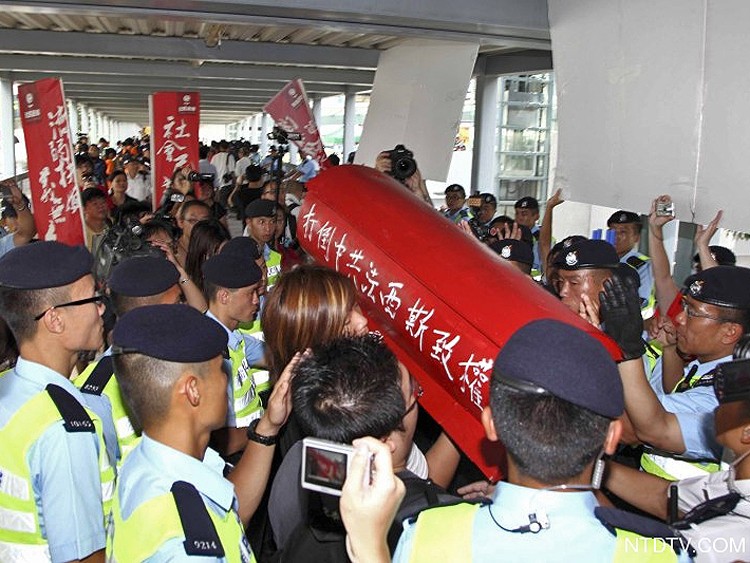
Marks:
<point>99,377</point>
<point>201,537</point>
<point>75,418</point>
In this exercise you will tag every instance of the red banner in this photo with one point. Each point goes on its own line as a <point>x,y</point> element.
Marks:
<point>290,110</point>
<point>175,118</point>
<point>54,193</point>
<point>445,303</point>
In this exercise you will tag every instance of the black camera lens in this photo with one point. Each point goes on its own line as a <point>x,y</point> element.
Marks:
<point>403,165</point>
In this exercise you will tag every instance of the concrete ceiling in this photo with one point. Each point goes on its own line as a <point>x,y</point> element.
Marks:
<point>112,55</point>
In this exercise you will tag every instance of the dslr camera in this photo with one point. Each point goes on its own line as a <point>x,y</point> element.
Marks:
<point>194,176</point>
<point>403,165</point>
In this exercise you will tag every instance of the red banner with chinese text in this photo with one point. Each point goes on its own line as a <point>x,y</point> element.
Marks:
<point>175,119</point>
<point>290,110</point>
<point>54,193</point>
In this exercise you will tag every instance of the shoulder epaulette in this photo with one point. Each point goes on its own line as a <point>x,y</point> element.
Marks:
<point>637,261</point>
<point>481,502</point>
<point>614,518</point>
<point>75,417</point>
<point>201,537</point>
<point>99,377</point>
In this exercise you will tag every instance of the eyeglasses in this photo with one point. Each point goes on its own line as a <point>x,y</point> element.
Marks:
<point>95,299</point>
<point>416,393</point>
<point>693,314</point>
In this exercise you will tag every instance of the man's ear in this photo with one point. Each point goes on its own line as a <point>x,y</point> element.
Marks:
<point>489,424</point>
<point>53,321</point>
<point>731,333</point>
<point>188,386</point>
<point>614,432</point>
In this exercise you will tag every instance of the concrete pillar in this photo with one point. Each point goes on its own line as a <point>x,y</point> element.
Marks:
<point>265,128</point>
<point>99,126</point>
<point>350,123</point>
<point>7,144</point>
<point>72,118</point>
<point>293,154</point>
<point>84,123</point>
<point>483,162</point>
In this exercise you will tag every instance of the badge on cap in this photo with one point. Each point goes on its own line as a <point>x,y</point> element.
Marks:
<point>524,204</point>
<point>505,252</point>
<point>696,287</point>
<point>623,218</point>
<point>571,258</point>
<point>567,243</point>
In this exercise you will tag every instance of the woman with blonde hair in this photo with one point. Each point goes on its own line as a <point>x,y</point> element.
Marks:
<point>313,305</point>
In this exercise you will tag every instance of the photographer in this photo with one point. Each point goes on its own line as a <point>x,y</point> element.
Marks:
<point>400,164</point>
<point>25,227</point>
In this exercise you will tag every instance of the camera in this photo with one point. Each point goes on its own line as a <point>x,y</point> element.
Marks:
<point>325,465</point>
<point>283,137</point>
<point>194,176</point>
<point>481,231</point>
<point>403,165</point>
<point>732,379</point>
<point>664,209</point>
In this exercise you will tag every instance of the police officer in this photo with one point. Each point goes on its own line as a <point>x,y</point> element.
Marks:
<point>232,282</point>
<point>455,202</point>
<point>260,225</point>
<point>172,501</point>
<point>556,417</point>
<point>56,476</point>
<point>135,282</point>
<point>527,215</point>
<point>676,417</point>
<point>516,252</point>
<point>627,228</point>
<point>486,209</point>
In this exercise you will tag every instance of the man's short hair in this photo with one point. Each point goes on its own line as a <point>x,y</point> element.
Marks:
<point>19,307</point>
<point>347,389</point>
<point>548,438</point>
<point>125,303</point>
<point>192,203</point>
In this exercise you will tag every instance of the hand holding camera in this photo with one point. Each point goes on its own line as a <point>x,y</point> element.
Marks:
<point>662,212</point>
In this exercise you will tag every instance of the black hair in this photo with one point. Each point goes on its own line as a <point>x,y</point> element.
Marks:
<point>548,438</point>
<point>347,389</point>
<point>82,159</point>
<point>203,151</point>
<point>18,307</point>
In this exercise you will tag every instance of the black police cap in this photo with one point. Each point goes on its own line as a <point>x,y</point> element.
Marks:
<point>242,247</point>
<point>566,362</point>
<point>261,208</point>
<point>42,265</point>
<point>527,202</point>
<point>455,188</point>
<point>722,255</point>
<point>723,286</point>
<point>515,250</point>
<point>143,276</point>
<point>175,333</point>
<point>587,253</point>
<point>231,271</point>
<point>623,217</point>
<point>488,198</point>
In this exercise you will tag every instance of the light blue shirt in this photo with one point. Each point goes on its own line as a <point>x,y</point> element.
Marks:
<point>574,533</point>
<point>646,273</point>
<point>309,169</point>
<point>150,470</point>
<point>253,355</point>
<point>7,243</point>
<point>101,405</point>
<point>694,409</point>
<point>64,468</point>
<point>463,214</point>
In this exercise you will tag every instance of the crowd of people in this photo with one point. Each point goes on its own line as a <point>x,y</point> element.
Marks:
<point>157,408</point>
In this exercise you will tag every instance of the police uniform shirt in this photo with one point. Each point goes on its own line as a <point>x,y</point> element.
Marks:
<point>150,470</point>
<point>574,533</point>
<point>725,538</point>
<point>463,214</point>
<point>537,265</point>
<point>7,243</point>
<point>100,404</point>
<point>309,169</point>
<point>64,468</point>
<point>645,272</point>
<point>253,355</point>
<point>694,409</point>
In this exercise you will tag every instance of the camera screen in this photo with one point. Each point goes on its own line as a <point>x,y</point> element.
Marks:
<point>325,468</point>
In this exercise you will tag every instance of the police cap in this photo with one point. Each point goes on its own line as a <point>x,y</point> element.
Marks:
<point>151,331</point>
<point>587,253</point>
<point>487,198</point>
<point>231,271</point>
<point>41,265</point>
<point>723,286</point>
<point>623,217</point>
<point>143,276</point>
<point>241,247</point>
<point>261,208</point>
<point>515,250</point>
<point>455,188</point>
<point>527,202</point>
<point>722,255</point>
<point>573,366</point>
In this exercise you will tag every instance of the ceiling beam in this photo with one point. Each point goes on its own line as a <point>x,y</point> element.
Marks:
<point>180,48</point>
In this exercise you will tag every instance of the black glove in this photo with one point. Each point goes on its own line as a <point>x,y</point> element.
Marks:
<point>620,311</point>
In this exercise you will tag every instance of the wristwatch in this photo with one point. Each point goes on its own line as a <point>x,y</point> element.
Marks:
<point>253,436</point>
